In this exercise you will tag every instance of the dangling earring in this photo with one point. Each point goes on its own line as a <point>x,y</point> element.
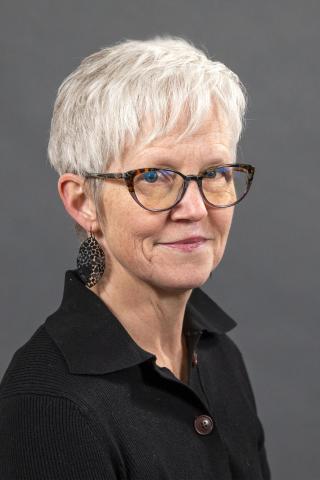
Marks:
<point>90,261</point>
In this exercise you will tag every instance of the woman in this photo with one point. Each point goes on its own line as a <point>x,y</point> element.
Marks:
<point>134,376</point>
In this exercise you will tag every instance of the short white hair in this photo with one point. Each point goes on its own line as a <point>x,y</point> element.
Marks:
<point>102,105</point>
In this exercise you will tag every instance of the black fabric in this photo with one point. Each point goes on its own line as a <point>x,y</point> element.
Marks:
<point>81,400</point>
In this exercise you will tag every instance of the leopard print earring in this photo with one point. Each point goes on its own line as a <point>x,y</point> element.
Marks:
<point>90,261</point>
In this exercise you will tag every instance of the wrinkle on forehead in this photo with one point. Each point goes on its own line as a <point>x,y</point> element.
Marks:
<point>215,122</point>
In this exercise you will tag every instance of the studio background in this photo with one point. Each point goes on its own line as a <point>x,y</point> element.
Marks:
<point>268,278</point>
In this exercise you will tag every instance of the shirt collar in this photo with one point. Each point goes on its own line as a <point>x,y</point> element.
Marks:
<point>93,341</point>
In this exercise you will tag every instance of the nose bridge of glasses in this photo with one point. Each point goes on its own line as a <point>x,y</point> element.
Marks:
<point>197,179</point>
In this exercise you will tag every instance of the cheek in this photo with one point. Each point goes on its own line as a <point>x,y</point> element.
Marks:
<point>129,231</point>
<point>221,221</point>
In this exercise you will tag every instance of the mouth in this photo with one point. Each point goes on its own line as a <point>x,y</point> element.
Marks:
<point>187,244</point>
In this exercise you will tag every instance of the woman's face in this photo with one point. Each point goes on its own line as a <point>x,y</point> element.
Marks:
<point>135,239</point>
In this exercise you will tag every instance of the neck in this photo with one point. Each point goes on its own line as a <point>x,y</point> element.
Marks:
<point>152,317</point>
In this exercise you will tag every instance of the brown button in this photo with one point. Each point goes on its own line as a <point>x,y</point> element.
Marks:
<point>194,359</point>
<point>203,424</point>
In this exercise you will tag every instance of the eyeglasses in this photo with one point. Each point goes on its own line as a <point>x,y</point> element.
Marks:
<point>160,189</point>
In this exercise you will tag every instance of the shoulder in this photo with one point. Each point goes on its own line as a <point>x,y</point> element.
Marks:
<point>235,359</point>
<point>38,367</point>
<point>230,348</point>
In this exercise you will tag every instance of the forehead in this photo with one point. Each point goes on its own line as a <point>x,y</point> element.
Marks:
<point>212,140</point>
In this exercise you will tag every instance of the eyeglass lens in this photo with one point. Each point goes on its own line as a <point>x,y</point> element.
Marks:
<point>161,189</point>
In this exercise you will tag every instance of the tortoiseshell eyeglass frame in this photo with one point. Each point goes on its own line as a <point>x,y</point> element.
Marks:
<point>129,179</point>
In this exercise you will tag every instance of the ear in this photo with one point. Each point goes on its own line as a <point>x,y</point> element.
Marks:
<point>77,201</point>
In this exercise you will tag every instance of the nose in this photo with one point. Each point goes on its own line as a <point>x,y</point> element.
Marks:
<point>191,206</point>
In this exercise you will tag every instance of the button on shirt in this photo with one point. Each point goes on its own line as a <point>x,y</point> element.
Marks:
<point>80,400</point>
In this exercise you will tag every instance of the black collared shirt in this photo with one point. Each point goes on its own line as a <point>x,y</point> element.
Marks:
<point>81,401</point>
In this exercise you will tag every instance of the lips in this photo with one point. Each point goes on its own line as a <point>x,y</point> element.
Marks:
<point>186,245</point>
<point>189,240</point>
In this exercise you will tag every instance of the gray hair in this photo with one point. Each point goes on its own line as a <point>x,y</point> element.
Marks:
<point>102,105</point>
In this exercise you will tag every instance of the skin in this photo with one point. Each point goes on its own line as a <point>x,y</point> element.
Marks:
<point>147,284</point>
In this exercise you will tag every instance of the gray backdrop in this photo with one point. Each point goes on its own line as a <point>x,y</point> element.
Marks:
<point>268,279</point>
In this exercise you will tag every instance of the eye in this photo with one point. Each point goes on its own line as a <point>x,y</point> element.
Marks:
<point>150,177</point>
<point>219,173</point>
<point>210,174</point>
